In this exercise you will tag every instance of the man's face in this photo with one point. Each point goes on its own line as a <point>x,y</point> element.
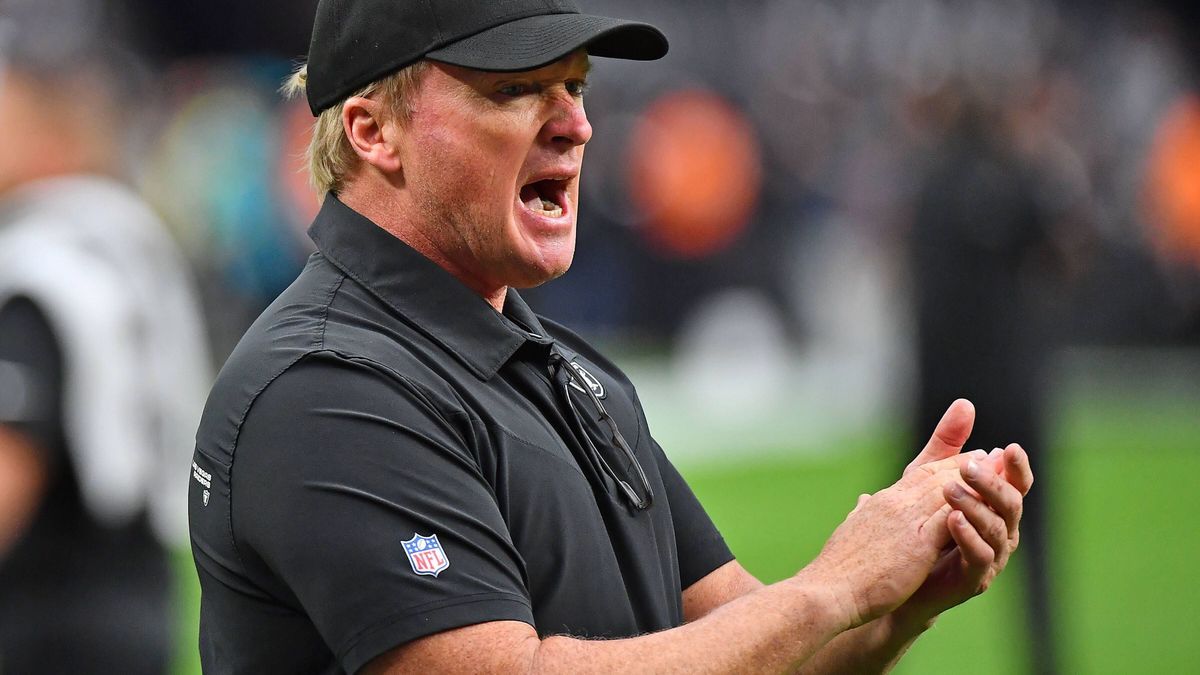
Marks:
<point>492,162</point>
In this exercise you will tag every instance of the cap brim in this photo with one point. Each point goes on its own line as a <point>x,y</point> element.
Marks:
<point>536,41</point>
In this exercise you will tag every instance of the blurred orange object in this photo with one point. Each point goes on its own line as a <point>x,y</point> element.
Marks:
<point>695,172</point>
<point>1173,184</point>
<point>301,200</point>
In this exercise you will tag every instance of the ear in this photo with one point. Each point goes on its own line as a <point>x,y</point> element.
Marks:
<point>369,130</point>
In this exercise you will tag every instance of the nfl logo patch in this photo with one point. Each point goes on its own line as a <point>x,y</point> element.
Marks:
<point>426,556</point>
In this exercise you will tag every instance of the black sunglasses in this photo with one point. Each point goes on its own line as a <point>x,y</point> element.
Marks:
<point>564,374</point>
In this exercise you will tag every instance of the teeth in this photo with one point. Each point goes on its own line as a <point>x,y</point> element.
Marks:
<point>538,204</point>
<point>550,209</point>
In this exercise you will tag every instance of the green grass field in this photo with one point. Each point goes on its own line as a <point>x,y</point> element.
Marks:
<point>1125,542</point>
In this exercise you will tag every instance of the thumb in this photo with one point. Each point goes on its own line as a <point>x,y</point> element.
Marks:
<point>949,435</point>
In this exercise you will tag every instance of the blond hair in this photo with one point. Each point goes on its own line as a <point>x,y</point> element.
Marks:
<point>330,155</point>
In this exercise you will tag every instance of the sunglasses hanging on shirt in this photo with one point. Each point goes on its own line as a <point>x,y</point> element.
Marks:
<point>562,375</point>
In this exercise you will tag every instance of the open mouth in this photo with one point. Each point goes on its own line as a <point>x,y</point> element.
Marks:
<point>546,197</point>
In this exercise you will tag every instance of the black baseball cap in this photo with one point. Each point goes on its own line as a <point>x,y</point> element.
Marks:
<point>356,42</point>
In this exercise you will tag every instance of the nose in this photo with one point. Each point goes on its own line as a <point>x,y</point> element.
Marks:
<point>568,126</point>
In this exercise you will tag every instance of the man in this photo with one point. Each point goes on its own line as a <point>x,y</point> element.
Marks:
<point>103,365</point>
<point>402,468</point>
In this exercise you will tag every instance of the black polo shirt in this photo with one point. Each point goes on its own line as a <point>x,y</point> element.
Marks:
<point>384,456</point>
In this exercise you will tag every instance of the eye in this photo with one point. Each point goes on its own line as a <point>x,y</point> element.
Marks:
<point>577,88</point>
<point>514,89</point>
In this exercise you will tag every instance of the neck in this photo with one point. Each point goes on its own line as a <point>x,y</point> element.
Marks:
<point>496,300</point>
<point>388,208</point>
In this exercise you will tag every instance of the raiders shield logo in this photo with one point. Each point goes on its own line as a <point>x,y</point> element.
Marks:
<point>594,384</point>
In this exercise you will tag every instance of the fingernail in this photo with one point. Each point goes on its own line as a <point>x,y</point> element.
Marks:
<point>972,469</point>
<point>978,454</point>
<point>994,452</point>
<point>957,493</point>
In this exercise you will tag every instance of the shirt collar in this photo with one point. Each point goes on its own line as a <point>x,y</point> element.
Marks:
<point>429,297</point>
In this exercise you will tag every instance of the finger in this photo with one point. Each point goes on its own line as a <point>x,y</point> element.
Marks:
<point>995,492</point>
<point>925,486</point>
<point>920,500</point>
<point>974,550</point>
<point>934,529</point>
<point>995,460</point>
<point>949,435</point>
<point>921,491</point>
<point>994,463</point>
<point>986,522</point>
<point>953,464</point>
<point>1017,468</point>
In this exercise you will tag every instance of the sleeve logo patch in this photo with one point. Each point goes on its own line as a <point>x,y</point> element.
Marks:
<point>204,478</point>
<point>426,556</point>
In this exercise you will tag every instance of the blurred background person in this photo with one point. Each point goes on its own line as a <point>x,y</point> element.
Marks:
<point>103,359</point>
<point>985,265</point>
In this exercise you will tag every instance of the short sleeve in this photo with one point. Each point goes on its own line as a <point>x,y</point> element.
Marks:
<point>338,465</point>
<point>700,546</point>
<point>31,374</point>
